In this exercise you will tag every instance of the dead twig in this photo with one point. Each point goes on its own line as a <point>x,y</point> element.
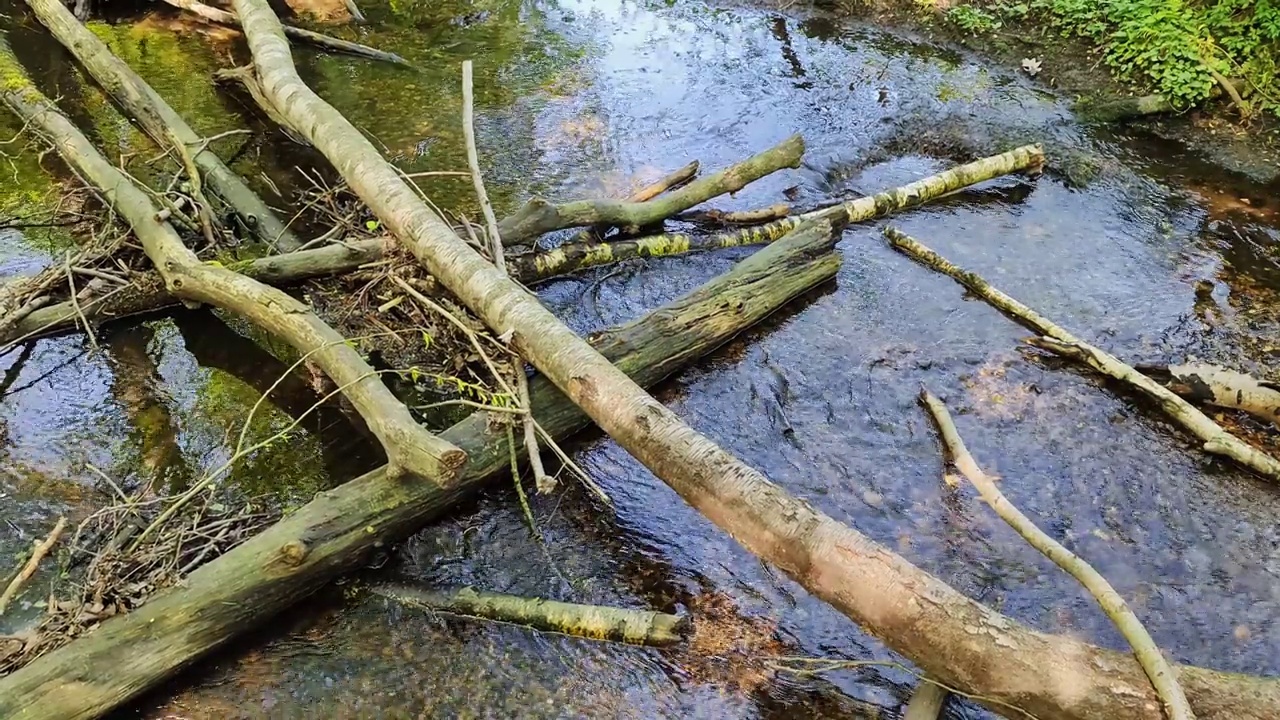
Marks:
<point>38,553</point>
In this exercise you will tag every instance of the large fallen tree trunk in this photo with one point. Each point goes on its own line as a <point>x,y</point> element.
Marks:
<point>953,638</point>
<point>166,127</point>
<point>410,448</point>
<point>539,216</point>
<point>575,256</point>
<point>332,534</point>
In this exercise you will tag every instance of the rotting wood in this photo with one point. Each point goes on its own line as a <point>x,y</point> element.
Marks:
<point>1215,439</point>
<point>334,532</point>
<point>539,216</point>
<point>39,550</point>
<point>165,126</point>
<point>777,211</point>
<point>410,448</point>
<point>1145,650</point>
<point>671,181</point>
<point>571,257</point>
<point>315,39</point>
<point>1115,109</point>
<point>594,622</point>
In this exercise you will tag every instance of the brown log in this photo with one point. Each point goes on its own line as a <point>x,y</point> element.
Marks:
<point>410,448</point>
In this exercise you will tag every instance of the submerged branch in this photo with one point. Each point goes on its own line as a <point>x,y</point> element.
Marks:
<point>1216,440</point>
<point>539,216</point>
<point>595,622</point>
<point>324,42</point>
<point>1148,654</point>
<point>39,550</point>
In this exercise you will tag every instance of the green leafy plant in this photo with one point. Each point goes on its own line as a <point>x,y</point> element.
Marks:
<point>973,19</point>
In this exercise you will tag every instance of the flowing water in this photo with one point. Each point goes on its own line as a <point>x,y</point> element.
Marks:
<point>584,97</point>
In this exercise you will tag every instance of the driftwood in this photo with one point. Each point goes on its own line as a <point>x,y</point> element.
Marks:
<point>333,533</point>
<point>1216,440</point>
<point>39,550</point>
<point>777,211</point>
<point>160,122</point>
<point>315,39</point>
<point>575,256</point>
<point>409,447</point>
<point>596,622</point>
<point>539,216</point>
<point>1145,649</point>
<point>1115,109</point>
<point>668,182</point>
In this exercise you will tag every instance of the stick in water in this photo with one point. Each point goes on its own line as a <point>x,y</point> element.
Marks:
<point>38,553</point>
<point>1216,440</point>
<point>1145,650</point>
<point>545,483</point>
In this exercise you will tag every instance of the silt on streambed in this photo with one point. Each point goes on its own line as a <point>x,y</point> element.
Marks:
<point>580,98</point>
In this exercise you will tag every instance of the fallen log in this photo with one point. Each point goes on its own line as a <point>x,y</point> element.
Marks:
<point>315,39</point>
<point>333,533</point>
<point>948,635</point>
<point>575,256</point>
<point>1145,650</point>
<point>673,180</point>
<point>1115,109</point>
<point>926,702</point>
<point>595,622</point>
<point>410,448</point>
<point>1215,439</point>
<point>165,126</point>
<point>539,216</point>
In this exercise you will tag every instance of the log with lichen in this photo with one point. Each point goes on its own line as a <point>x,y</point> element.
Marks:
<point>596,622</point>
<point>334,532</point>
<point>572,257</point>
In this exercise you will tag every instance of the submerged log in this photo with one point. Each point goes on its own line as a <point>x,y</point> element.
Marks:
<point>160,122</point>
<point>324,42</point>
<point>1056,339</point>
<point>575,256</point>
<point>410,448</point>
<point>539,216</point>
<point>333,533</point>
<point>596,622</point>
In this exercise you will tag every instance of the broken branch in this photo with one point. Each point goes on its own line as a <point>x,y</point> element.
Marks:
<point>39,550</point>
<point>539,216</point>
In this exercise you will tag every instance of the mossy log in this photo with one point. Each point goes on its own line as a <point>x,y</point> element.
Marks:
<point>595,622</point>
<point>539,216</point>
<point>1056,339</point>
<point>411,450</point>
<point>165,126</point>
<point>334,533</point>
<point>571,257</point>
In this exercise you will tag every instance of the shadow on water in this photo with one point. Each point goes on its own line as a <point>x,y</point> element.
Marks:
<point>590,97</point>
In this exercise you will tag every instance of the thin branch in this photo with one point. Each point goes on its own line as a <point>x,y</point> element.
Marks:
<point>1153,663</point>
<point>38,553</point>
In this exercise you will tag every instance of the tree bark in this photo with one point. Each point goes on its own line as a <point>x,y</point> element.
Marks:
<point>409,447</point>
<point>166,127</point>
<point>1207,383</point>
<point>539,216</point>
<point>575,256</point>
<point>1056,339</point>
<point>595,622</point>
<point>332,534</point>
